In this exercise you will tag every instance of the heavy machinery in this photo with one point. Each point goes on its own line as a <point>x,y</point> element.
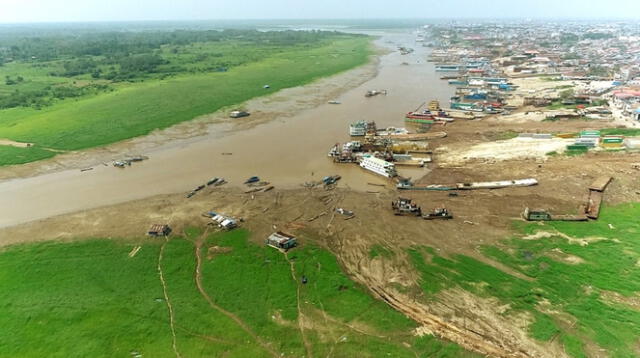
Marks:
<point>404,206</point>
<point>438,214</point>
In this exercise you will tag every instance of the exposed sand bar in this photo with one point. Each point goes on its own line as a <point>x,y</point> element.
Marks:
<point>285,142</point>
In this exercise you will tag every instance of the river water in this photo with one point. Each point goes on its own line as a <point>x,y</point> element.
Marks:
<point>286,151</point>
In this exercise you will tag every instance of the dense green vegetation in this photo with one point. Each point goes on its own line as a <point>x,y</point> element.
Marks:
<point>620,131</point>
<point>128,56</point>
<point>97,89</point>
<point>91,298</point>
<point>18,155</point>
<point>572,283</point>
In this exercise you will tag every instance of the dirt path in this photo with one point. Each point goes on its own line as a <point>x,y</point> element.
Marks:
<point>205,337</point>
<point>467,338</point>
<point>307,345</point>
<point>166,298</point>
<point>198,278</point>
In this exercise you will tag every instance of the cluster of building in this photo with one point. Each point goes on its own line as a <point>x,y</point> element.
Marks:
<point>627,101</point>
<point>482,59</point>
<point>609,50</point>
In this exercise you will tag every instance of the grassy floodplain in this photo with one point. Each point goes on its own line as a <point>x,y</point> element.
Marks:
<point>93,298</point>
<point>584,287</point>
<point>73,102</point>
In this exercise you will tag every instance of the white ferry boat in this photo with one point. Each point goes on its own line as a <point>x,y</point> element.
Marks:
<point>358,129</point>
<point>379,166</point>
<point>362,128</point>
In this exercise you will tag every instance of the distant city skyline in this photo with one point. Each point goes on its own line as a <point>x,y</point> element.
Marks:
<point>21,11</point>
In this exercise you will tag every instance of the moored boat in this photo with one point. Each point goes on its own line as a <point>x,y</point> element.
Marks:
<point>379,166</point>
<point>424,117</point>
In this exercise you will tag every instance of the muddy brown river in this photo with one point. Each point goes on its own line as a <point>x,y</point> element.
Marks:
<point>286,150</point>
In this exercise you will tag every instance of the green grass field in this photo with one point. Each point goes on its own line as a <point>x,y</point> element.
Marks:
<point>621,131</point>
<point>18,155</point>
<point>134,109</point>
<point>90,298</point>
<point>567,295</point>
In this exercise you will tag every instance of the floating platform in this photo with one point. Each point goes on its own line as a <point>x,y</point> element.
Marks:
<point>415,136</point>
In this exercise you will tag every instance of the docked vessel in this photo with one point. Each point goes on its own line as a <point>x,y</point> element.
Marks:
<point>392,131</point>
<point>458,82</point>
<point>497,184</point>
<point>473,107</point>
<point>358,129</point>
<point>432,114</point>
<point>379,166</point>
<point>447,68</point>
<point>463,115</point>
<point>424,117</point>
<point>346,153</point>
<point>361,128</point>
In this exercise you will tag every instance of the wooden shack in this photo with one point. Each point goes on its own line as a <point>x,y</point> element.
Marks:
<point>281,241</point>
<point>159,230</point>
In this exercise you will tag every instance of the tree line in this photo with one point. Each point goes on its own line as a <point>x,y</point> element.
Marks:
<point>121,44</point>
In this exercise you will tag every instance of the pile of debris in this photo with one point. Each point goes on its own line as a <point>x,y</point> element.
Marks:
<point>239,114</point>
<point>222,221</point>
<point>211,182</point>
<point>329,182</point>
<point>347,213</point>
<point>157,230</point>
<point>405,50</point>
<point>372,93</point>
<point>126,162</point>
<point>256,185</point>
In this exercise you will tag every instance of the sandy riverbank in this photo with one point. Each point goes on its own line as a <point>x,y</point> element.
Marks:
<point>285,141</point>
